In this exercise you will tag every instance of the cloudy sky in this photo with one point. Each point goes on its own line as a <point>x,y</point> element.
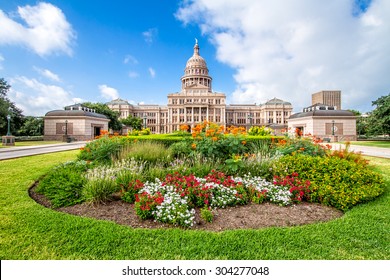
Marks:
<point>56,53</point>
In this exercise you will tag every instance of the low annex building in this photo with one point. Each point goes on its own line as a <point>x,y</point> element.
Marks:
<point>197,102</point>
<point>74,123</point>
<point>324,122</point>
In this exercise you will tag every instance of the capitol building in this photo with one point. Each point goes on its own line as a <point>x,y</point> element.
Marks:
<point>197,102</point>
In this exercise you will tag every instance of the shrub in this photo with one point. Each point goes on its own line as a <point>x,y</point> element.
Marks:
<point>304,146</point>
<point>299,190</point>
<point>260,131</point>
<point>174,210</point>
<point>144,131</point>
<point>334,181</point>
<point>181,149</point>
<point>149,152</point>
<point>101,150</point>
<point>146,203</point>
<point>258,187</point>
<point>129,192</point>
<point>100,185</point>
<point>206,214</point>
<point>213,141</point>
<point>63,184</point>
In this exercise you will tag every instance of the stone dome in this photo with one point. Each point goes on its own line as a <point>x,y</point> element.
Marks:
<point>276,101</point>
<point>196,61</point>
<point>196,73</point>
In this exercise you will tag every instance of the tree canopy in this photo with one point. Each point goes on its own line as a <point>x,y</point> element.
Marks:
<point>103,109</point>
<point>379,120</point>
<point>8,108</point>
<point>133,122</point>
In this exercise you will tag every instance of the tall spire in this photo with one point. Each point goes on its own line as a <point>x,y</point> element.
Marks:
<point>196,47</point>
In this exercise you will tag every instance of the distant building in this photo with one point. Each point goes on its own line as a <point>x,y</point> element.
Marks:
<point>324,122</point>
<point>197,102</point>
<point>76,122</point>
<point>327,97</point>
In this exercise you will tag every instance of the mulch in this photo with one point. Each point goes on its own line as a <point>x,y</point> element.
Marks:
<point>251,216</point>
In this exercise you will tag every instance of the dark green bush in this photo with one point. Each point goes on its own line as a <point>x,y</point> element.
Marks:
<point>334,181</point>
<point>165,139</point>
<point>180,149</point>
<point>101,150</point>
<point>63,184</point>
<point>304,146</point>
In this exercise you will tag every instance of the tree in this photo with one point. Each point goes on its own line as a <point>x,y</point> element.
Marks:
<point>361,122</point>
<point>103,109</point>
<point>32,126</point>
<point>133,122</point>
<point>379,120</point>
<point>8,108</point>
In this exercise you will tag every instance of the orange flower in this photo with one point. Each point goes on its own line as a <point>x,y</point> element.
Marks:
<point>214,138</point>
<point>243,142</point>
<point>193,146</point>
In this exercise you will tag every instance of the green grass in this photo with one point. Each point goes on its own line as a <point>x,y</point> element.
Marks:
<point>380,144</point>
<point>31,143</point>
<point>30,231</point>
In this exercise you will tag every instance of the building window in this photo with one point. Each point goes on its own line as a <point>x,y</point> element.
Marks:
<point>181,101</point>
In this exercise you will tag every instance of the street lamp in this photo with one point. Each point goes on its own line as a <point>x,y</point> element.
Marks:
<point>145,121</point>
<point>333,128</point>
<point>9,125</point>
<point>66,128</point>
<point>250,117</point>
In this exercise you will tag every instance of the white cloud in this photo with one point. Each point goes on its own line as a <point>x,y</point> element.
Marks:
<point>291,49</point>
<point>152,72</point>
<point>46,30</point>
<point>1,60</point>
<point>150,35</point>
<point>48,74</point>
<point>108,93</point>
<point>130,59</point>
<point>36,98</point>
<point>133,74</point>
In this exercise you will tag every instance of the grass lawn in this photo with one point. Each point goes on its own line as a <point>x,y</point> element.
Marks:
<point>30,231</point>
<point>380,144</point>
<point>31,143</point>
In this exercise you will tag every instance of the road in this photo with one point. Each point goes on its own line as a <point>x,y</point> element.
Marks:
<point>16,152</point>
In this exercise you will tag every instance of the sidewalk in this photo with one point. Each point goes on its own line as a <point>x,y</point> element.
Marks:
<point>364,150</point>
<point>21,148</point>
<point>16,152</point>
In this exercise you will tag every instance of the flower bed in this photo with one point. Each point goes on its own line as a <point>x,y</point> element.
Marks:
<point>173,200</point>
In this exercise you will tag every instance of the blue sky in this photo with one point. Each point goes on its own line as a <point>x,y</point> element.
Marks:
<point>55,53</point>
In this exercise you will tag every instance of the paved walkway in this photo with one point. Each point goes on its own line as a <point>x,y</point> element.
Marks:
<point>16,152</point>
<point>367,151</point>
